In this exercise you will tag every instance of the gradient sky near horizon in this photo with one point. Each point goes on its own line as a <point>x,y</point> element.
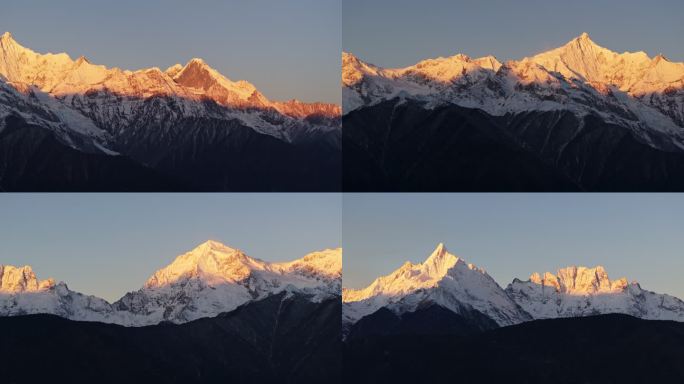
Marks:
<point>637,236</point>
<point>398,33</point>
<point>110,244</point>
<point>287,49</point>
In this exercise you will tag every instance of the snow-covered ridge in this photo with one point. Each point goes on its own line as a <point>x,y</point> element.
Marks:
<point>442,279</point>
<point>630,89</point>
<point>59,75</point>
<point>446,280</point>
<point>206,281</point>
<point>100,103</point>
<point>580,281</point>
<point>581,291</point>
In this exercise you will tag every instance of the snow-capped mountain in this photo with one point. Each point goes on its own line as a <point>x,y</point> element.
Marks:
<point>449,282</point>
<point>576,118</point>
<point>211,279</point>
<point>112,99</point>
<point>21,293</point>
<point>178,122</point>
<point>580,291</point>
<point>643,94</point>
<point>214,278</point>
<point>443,279</point>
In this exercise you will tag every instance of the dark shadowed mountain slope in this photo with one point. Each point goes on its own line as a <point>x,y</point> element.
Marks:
<point>283,339</point>
<point>32,159</point>
<point>404,146</point>
<point>396,146</point>
<point>598,349</point>
<point>429,320</point>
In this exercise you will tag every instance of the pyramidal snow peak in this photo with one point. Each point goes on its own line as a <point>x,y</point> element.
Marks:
<point>446,280</point>
<point>442,279</point>
<point>211,279</point>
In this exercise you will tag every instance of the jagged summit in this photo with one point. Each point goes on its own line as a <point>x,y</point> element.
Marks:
<point>196,60</point>
<point>210,279</point>
<point>583,39</point>
<point>408,278</point>
<point>446,280</point>
<point>439,251</point>
<point>59,75</point>
<point>21,279</point>
<point>173,70</point>
<point>442,279</point>
<point>580,280</point>
<point>580,291</point>
<point>642,94</point>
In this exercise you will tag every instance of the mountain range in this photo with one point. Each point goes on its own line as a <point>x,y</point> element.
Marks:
<point>216,314</point>
<point>213,315</point>
<point>579,117</point>
<point>446,320</point>
<point>73,125</point>
<point>207,281</point>
<point>445,294</point>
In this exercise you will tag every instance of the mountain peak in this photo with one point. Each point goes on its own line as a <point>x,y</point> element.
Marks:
<point>198,74</point>
<point>440,250</point>
<point>210,261</point>
<point>7,45</point>
<point>326,263</point>
<point>197,61</point>
<point>460,57</point>
<point>173,70</point>
<point>214,278</point>
<point>82,59</point>
<point>21,279</point>
<point>660,57</point>
<point>348,57</point>
<point>212,244</point>
<point>410,277</point>
<point>583,40</point>
<point>443,279</point>
<point>580,291</point>
<point>579,280</point>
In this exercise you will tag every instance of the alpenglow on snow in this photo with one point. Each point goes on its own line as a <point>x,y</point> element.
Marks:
<point>204,282</point>
<point>448,281</point>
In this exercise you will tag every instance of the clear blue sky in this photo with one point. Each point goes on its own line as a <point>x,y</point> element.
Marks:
<point>109,244</point>
<point>638,236</point>
<point>288,49</point>
<point>397,33</point>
